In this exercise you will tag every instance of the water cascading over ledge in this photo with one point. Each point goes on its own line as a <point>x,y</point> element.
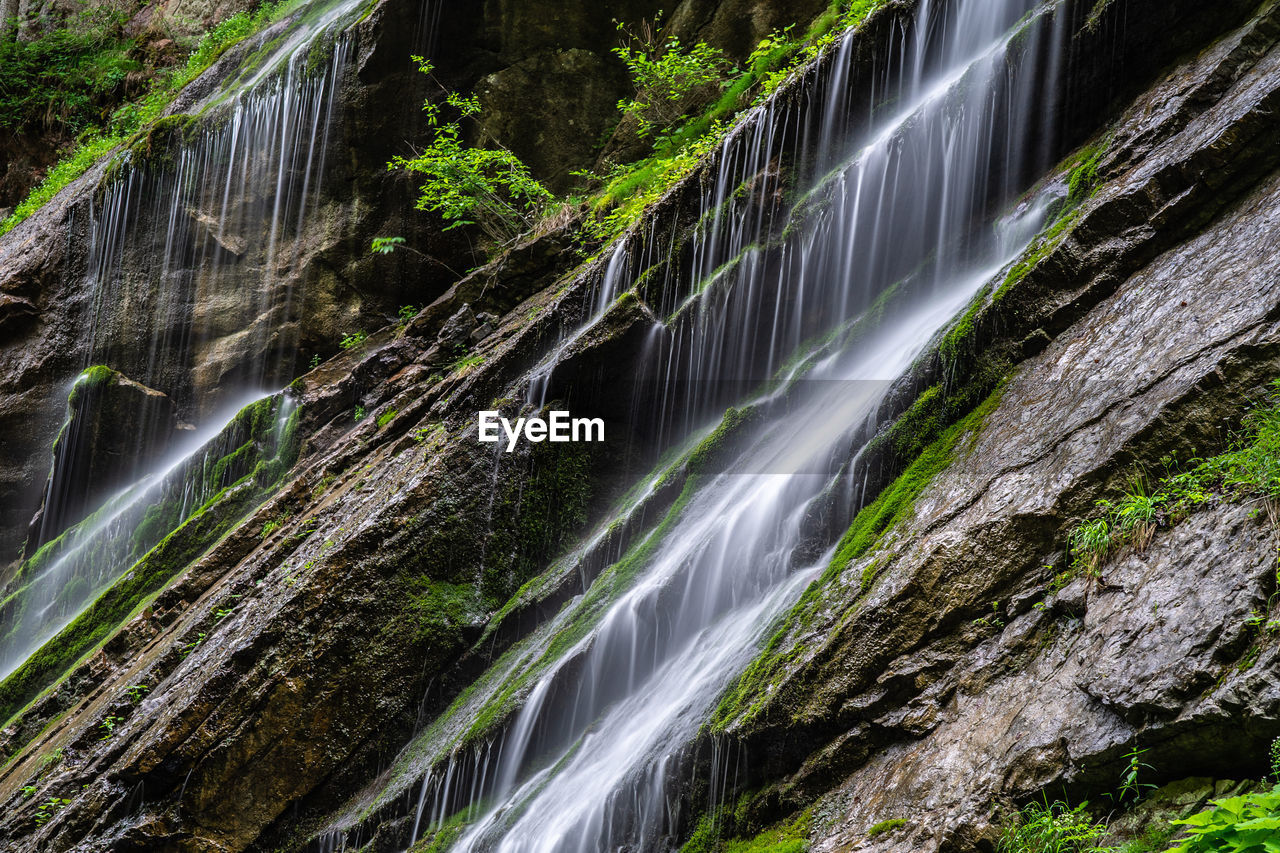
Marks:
<point>577,739</point>
<point>194,278</point>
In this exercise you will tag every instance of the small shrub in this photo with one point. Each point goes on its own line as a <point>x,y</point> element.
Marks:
<point>407,313</point>
<point>48,807</point>
<point>669,78</point>
<point>385,245</point>
<point>108,727</point>
<point>467,185</point>
<point>1275,759</point>
<point>359,413</point>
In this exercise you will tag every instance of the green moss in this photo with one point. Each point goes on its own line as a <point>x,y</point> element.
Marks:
<point>386,417</point>
<point>886,826</point>
<point>717,449</point>
<point>274,450</point>
<point>746,696</point>
<point>611,583</point>
<point>450,830</point>
<point>90,379</point>
<point>787,837</point>
<point>896,502</point>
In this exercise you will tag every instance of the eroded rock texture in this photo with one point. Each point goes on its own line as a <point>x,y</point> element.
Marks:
<point>285,664</point>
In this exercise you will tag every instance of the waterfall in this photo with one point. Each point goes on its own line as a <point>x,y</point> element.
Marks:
<point>907,216</point>
<point>247,444</point>
<point>194,244</point>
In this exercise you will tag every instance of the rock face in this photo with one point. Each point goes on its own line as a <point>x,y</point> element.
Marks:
<point>936,678</point>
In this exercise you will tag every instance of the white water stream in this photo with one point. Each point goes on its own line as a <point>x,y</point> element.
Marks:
<point>904,212</point>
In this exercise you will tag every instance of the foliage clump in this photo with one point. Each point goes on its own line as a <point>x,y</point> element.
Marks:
<point>473,185</point>
<point>670,79</point>
<point>1245,824</point>
<point>1248,471</point>
<point>1052,828</point>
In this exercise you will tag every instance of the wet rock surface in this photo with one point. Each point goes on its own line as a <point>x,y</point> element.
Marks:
<point>289,660</point>
<point>961,679</point>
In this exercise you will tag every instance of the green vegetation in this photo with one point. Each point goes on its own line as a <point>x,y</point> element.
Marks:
<point>661,72</point>
<point>94,64</point>
<point>787,837</point>
<point>108,727</point>
<point>353,340</point>
<point>669,78</point>
<point>896,502</point>
<point>238,482</point>
<point>48,807</point>
<point>747,695</point>
<point>886,826</point>
<point>385,245</point>
<point>1248,471</point>
<point>467,185</point>
<point>1082,180</point>
<point>386,417</point>
<point>466,364</point>
<point>66,78</point>
<point>1245,824</point>
<point>1052,828</point>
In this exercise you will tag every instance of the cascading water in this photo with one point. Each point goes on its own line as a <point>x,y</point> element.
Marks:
<point>902,214</point>
<point>192,254</point>
<point>57,583</point>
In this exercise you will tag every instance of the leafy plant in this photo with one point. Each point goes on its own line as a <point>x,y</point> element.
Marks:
<point>193,645</point>
<point>1245,824</point>
<point>353,340</point>
<point>136,692</point>
<point>407,313</point>
<point>315,361</point>
<point>108,727</point>
<point>669,78</point>
<point>1275,759</point>
<point>359,413</point>
<point>385,245</point>
<point>472,185</point>
<point>48,807</point>
<point>29,791</point>
<point>1129,783</point>
<point>1052,828</point>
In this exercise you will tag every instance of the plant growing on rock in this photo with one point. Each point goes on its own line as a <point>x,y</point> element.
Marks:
<point>1246,824</point>
<point>353,340</point>
<point>1248,471</point>
<point>670,79</point>
<point>472,185</point>
<point>1052,828</point>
